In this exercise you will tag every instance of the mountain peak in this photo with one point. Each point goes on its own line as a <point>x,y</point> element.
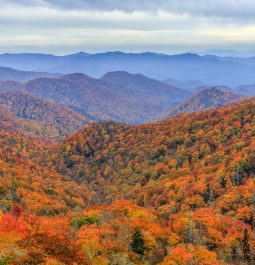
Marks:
<point>78,54</point>
<point>76,77</point>
<point>117,74</point>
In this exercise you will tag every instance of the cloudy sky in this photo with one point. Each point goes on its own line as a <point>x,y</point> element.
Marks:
<point>169,26</point>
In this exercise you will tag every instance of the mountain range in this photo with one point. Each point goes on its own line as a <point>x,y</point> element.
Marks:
<point>211,70</point>
<point>67,103</point>
<point>116,96</point>
<point>87,175</point>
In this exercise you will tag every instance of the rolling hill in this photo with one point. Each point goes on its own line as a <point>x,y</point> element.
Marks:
<point>10,123</point>
<point>139,100</point>
<point>213,97</point>
<point>47,120</point>
<point>148,146</point>
<point>146,88</point>
<point>16,163</point>
<point>7,73</point>
<point>11,86</point>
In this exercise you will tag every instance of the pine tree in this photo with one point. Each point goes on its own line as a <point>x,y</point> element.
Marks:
<point>137,242</point>
<point>246,247</point>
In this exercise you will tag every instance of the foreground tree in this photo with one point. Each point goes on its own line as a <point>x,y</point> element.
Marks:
<point>246,247</point>
<point>137,243</point>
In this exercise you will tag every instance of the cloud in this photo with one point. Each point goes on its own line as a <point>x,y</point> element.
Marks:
<point>127,25</point>
<point>235,9</point>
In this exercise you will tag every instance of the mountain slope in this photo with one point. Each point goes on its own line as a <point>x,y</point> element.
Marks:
<point>53,121</point>
<point>130,156</point>
<point>102,99</point>
<point>190,85</point>
<point>32,181</point>
<point>11,86</point>
<point>7,73</point>
<point>84,94</point>
<point>196,170</point>
<point>180,191</point>
<point>248,90</point>
<point>140,82</point>
<point>146,87</point>
<point>213,97</point>
<point>10,123</point>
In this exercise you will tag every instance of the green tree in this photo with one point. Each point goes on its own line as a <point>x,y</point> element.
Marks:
<point>246,247</point>
<point>137,242</point>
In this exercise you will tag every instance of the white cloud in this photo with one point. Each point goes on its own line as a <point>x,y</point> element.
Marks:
<point>127,25</point>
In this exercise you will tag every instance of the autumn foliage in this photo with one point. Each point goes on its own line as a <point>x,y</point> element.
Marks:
<point>178,192</point>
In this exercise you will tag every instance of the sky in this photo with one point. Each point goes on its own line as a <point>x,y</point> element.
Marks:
<point>167,26</point>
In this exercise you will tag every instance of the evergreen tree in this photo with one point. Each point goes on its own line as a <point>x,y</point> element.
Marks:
<point>137,242</point>
<point>246,247</point>
<point>234,252</point>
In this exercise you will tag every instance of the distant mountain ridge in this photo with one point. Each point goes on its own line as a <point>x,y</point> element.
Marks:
<point>134,99</point>
<point>189,85</point>
<point>7,74</point>
<point>118,96</point>
<point>145,86</point>
<point>134,80</point>
<point>211,70</point>
<point>248,90</point>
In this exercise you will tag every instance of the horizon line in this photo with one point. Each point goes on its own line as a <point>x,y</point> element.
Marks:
<point>200,54</point>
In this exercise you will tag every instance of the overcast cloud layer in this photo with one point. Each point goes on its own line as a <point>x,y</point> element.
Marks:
<point>243,9</point>
<point>62,26</point>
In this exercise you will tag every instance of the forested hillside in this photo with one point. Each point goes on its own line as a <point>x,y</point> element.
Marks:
<point>200,164</point>
<point>197,146</point>
<point>53,121</point>
<point>212,97</point>
<point>180,191</point>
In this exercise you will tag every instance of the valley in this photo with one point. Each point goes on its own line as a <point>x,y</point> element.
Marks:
<point>184,185</point>
<point>125,169</point>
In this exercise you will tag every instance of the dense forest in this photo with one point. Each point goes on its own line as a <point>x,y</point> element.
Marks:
<point>176,192</point>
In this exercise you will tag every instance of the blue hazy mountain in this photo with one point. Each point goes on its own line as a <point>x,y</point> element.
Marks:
<point>248,90</point>
<point>7,73</point>
<point>189,85</point>
<point>211,70</point>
